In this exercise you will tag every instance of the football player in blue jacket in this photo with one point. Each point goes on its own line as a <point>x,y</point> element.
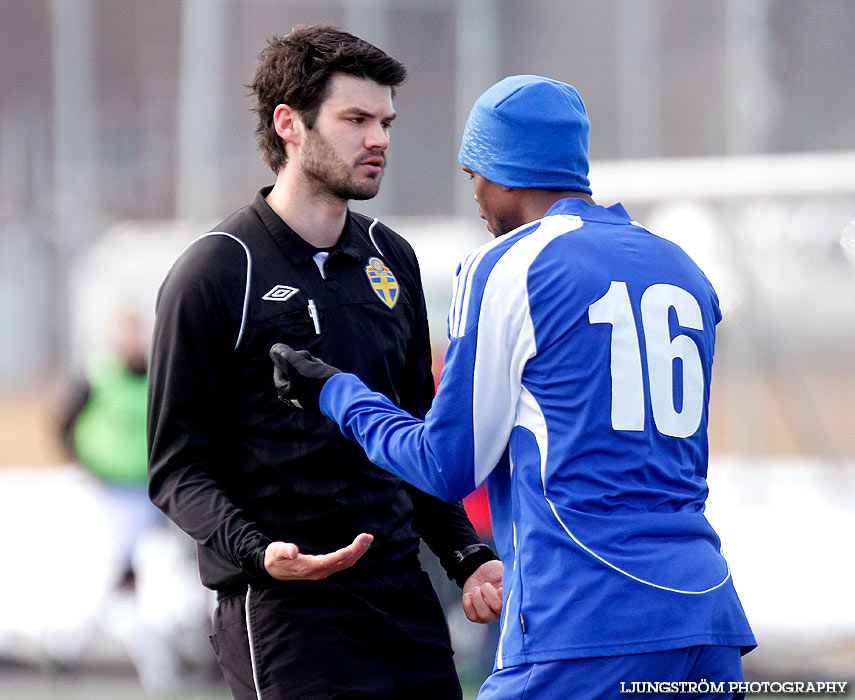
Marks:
<point>576,384</point>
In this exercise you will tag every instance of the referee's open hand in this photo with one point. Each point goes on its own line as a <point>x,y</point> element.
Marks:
<point>284,562</point>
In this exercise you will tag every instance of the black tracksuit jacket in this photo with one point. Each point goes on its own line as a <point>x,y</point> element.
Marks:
<point>233,466</point>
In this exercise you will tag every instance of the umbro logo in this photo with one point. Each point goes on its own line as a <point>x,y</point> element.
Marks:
<point>280,292</point>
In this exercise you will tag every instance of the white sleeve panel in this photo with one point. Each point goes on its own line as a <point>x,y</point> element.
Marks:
<point>505,343</point>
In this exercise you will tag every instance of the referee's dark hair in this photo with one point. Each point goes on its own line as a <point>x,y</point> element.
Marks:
<point>295,69</point>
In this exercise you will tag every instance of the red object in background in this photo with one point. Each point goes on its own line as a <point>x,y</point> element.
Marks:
<point>478,509</point>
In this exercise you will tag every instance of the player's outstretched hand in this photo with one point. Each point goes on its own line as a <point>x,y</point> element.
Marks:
<point>284,562</point>
<point>299,376</point>
<point>482,593</point>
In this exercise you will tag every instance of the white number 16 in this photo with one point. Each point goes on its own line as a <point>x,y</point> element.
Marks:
<point>627,379</point>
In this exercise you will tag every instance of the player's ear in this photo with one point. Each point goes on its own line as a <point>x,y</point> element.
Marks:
<point>287,123</point>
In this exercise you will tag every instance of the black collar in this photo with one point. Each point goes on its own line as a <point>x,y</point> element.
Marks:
<point>292,244</point>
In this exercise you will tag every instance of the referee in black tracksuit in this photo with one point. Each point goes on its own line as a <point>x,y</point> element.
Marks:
<point>282,507</point>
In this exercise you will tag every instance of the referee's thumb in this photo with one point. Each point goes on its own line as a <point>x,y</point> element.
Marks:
<point>287,550</point>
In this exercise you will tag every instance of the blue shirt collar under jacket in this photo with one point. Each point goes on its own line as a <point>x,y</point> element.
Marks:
<point>575,206</point>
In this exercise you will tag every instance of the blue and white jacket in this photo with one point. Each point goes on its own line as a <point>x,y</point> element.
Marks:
<point>576,383</point>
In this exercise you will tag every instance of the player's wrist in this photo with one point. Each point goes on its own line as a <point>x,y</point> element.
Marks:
<point>324,385</point>
<point>468,560</point>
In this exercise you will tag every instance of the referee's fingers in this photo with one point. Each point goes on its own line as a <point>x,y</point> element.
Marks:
<point>469,606</point>
<point>359,546</point>
<point>477,609</point>
<point>482,604</point>
<point>345,557</point>
<point>492,597</point>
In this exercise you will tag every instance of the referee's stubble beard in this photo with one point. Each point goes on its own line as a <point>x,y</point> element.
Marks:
<point>333,175</point>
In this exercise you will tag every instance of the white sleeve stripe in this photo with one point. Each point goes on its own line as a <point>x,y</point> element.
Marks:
<point>461,283</point>
<point>459,314</point>
<point>463,311</point>
<point>248,275</point>
<point>460,303</point>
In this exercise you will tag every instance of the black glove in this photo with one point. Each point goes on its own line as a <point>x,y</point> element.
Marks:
<point>298,376</point>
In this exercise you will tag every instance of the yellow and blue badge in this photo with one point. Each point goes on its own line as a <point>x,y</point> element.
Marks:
<point>382,281</point>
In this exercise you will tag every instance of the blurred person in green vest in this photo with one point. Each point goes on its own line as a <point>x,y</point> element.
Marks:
<point>102,423</point>
<point>103,420</point>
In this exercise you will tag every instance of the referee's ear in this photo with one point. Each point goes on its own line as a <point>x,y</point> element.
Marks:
<point>287,123</point>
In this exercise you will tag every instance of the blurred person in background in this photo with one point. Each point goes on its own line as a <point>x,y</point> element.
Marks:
<point>576,384</point>
<point>102,423</point>
<point>313,550</point>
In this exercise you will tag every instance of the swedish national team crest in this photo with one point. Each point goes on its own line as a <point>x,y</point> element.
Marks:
<point>382,281</point>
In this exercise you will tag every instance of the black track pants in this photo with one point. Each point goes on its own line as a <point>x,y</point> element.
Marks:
<point>386,639</point>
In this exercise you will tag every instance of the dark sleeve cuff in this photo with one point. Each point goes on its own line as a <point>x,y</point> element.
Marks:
<point>253,561</point>
<point>467,560</point>
<point>260,570</point>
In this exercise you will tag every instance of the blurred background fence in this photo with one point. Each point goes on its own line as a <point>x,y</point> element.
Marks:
<point>728,126</point>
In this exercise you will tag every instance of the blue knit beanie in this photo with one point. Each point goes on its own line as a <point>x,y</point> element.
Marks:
<point>529,131</point>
